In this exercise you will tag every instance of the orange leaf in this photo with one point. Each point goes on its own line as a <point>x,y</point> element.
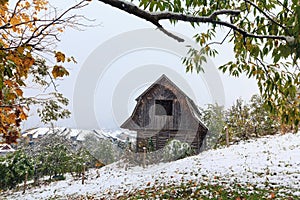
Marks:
<point>19,92</point>
<point>14,21</point>
<point>28,62</point>
<point>272,195</point>
<point>60,30</point>
<point>11,118</point>
<point>23,116</point>
<point>27,5</point>
<point>9,83</point>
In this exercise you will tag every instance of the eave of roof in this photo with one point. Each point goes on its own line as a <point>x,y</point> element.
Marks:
<point>195,112</point>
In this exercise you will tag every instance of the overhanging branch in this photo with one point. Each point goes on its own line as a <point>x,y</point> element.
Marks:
<point>155,17</point>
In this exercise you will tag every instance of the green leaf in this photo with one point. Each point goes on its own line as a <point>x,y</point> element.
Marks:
<point>8,72</point>
<point>151,5</point>
<point>276,58</point>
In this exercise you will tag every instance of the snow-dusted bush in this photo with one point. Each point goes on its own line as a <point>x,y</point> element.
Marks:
<point>105,151</point>
<point>60,158</point>
<point>213,116</point>
<point>175,150</point>
<point>250,120</point>
<point>13,169</point>
<point>56,159</point>
<point>243,120</point>
<point>54,156</point>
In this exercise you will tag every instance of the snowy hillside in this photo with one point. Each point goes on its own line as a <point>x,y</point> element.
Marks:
<point>271,161</point>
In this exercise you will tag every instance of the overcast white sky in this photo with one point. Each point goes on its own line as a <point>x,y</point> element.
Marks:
<point>114,23</point>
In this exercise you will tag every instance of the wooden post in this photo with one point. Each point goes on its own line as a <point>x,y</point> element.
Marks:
<point>144,160</point>
<point>98,173</point>
<point>25,182</point>
<point>83,173</point>
<point>227,136</point>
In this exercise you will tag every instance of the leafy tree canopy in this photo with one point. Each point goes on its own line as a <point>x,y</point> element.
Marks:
<point>265,35</point>
<point>29,31</point>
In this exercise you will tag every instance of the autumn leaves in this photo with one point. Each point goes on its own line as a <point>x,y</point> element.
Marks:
<point>58,70</point>
<point>29,31</point>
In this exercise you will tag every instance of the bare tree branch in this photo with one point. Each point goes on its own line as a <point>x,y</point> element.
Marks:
<point>222,40</point>
<point>40,38</point>
<point>179,39</point>
<point>34,35</point>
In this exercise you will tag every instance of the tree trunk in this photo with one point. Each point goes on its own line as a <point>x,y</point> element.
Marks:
<point>227,137</point>
<point>83,174</point>
<point>144,158</point>
<point>25,182</point>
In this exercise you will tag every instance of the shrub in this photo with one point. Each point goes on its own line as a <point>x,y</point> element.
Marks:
<point>175,150</point>
<point>13,169</point>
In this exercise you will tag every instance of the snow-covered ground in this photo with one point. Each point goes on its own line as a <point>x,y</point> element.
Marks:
<point>273,160</point>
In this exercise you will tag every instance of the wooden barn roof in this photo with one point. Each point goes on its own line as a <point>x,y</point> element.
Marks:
<point>161,81</point>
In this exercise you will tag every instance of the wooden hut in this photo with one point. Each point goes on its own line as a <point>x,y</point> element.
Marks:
<point>164,112</point>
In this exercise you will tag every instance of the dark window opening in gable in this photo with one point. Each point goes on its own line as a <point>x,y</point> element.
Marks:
<point>163,107</point>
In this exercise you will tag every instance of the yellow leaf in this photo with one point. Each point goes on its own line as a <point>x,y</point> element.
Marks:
<point>20,49</point>
<point>4,36</point>
<point>14,21</point>
<point>60,57</point>
<point>59,71</point>
<point>11,96</point>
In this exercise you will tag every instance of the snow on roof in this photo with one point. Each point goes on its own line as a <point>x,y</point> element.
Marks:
<point>39,132</point>
<point>5,148</point>
<point>195,111</point>
<point>83,133</point>
<point>74,132</point>
<point>100,134</point>
<point>29,132</point>
<point>79,134</point>
<point>62,131</point>
<point>107,134</point>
